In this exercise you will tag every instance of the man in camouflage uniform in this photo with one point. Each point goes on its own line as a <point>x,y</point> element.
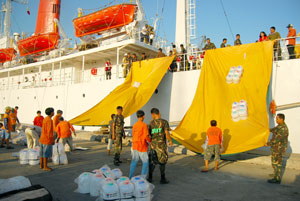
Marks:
<point>209,45</point>
<point>278,143</point>
<point>118,133</point>
<point>238,40</point>
<point>274,35</point>
<point>159,134</point>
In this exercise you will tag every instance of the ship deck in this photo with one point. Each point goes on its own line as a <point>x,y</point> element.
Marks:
<point>234,181</point>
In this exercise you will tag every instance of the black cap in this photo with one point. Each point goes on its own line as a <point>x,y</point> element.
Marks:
<point>290,25</point>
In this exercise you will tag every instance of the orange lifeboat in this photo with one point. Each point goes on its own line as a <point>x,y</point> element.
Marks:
<point>112,17</point>
<point>46,36</point>
<point>7,54</point>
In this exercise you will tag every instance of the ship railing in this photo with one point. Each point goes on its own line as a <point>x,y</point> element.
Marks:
<point>187,61</point>
<point>282,51</point>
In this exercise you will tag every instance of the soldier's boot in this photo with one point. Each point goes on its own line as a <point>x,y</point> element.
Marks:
<point>163,179</point>
<point>150,174</point>
<point>116,159</point>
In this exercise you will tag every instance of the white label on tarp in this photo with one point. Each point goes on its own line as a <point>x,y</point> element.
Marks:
<point>136,84</point>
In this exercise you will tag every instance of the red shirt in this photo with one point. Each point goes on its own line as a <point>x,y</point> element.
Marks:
<point>214,135</point>
<point>63,129</point>
<point>107,66</point>
<point>140,136</point>
<point>47,131</point>
<point>292,33</point>
<point>38,121</point>
<point>263,38</point>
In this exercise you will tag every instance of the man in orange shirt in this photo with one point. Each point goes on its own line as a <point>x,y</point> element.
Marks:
<point>56,121</point>
<point>292,41</point>
<point>7,128</point>
<point>14,119</point>
<point>214,144</point>
<point>63,130</point>
<point>140,137</point>
<point>38,120</point>
<point>46,139</point>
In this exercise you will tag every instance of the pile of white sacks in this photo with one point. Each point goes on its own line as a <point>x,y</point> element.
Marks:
<point>107,184</point>
<point>30,156</point>
<point>59,156</point>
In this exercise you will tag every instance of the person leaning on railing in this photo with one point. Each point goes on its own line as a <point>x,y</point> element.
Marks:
<point>292,41</point>
<point>274,35</point>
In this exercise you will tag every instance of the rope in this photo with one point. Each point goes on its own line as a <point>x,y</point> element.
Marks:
<point>227,19</point>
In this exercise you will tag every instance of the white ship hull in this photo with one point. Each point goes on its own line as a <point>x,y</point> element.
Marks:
<point>74,90</point>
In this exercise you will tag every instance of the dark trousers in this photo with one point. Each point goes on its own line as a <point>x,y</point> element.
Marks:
<point>108,75</point>
<point>162,168</point>
<point>291,49</point>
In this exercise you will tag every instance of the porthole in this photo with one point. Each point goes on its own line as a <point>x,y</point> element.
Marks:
<point>35,97</point>
<point>56,97</point>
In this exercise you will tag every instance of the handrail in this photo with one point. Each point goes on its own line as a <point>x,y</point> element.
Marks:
<point>287,106</point>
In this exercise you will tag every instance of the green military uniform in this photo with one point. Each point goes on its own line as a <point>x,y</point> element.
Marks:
<point>237,42</point>
<point>278,143</point>
<point>119,133</point>
<point>277,49</point>
<point>209,46</point>
<point>222,45</point>
<point>158,146</point>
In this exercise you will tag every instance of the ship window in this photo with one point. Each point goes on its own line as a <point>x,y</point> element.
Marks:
<point>83,95</point>
<point>56,97</point>
<point>56,8</point>
<point>18,97</point>
<point>3,98</point>
<point>35,97</point>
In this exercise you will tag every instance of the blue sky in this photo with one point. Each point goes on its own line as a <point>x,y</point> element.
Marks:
<point>247,17</point>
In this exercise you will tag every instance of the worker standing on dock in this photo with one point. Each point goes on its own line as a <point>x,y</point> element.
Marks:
<point>118,133</point>
<point>7,128</point>
<point>159,134</point>
<point>64,132</point>
<point>279,144</point>
<point>47,139</point>
<point>56,121</point>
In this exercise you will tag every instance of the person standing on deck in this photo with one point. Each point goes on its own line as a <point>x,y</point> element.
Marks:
<point>278,144</point>
<point>125,64</point>
<point>159,134</point>
<point>38,120</point>
<point>47,139</point>
<point>209,45</point>
<point>238,40</point>
<point>292,41</point>
<point>223,43</point>
<point>108,69</point>
<point>56,121</point>
<point>7,128</point>
<point>274,35</point>
<point>118,133</point>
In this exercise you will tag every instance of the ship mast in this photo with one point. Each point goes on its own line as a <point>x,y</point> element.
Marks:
<point>185,23</point>
<point>7,9</point>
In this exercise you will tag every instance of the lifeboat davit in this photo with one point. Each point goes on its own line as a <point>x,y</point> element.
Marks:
<point>7,54</point>
<point>112,17</point>
<point>46,36</point>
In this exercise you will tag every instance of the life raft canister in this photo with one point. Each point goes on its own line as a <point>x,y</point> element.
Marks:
<point>94,71</point>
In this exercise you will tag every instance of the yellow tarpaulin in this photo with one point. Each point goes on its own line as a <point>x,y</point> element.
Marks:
<point>214,98</point>
<point>132,95</point>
